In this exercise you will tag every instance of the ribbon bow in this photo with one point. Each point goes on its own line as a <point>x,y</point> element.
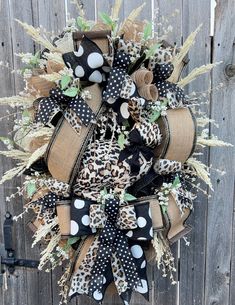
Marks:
<point>126,217</point>
<point>114,242</point>
<point>171,91</point>
<point>131,153</point>
<point>88,216</point>
<point>57,101</point>
<point>88,62</point>
<point>117,75</point>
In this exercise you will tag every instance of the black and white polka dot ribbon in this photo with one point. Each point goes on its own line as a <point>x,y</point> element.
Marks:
<point>120,87</point>
<point>48,201</point>
<point>88,63</point>
<point>171,91</point>
<point>112,239</point>
<point>117,76</point>
<point>57,101</point>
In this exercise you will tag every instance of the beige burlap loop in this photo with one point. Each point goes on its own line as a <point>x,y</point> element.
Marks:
<point>54,66</point>
<point>100,37</point>
<point>142,77</point>
<point>178,129</point>
<point>66,146</point>
<point>149,92</point>
<point>40,85</point>
<point>176,221</point>
<point>63,214</point>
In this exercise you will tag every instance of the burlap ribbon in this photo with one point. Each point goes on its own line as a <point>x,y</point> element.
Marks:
<point>66,146</point>
<point>178,129</point>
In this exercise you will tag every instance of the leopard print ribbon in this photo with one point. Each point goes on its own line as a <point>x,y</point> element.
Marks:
<point>126,217</point>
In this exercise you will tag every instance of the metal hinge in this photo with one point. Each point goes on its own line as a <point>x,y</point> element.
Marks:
<point>178,269</point>
<point>7,252</point>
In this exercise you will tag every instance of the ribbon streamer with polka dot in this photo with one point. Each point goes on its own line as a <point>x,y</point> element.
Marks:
<point>123,227</point>
<point>112,240</point>
<point>48,201</point>
<point>57,101</point>
<point>166,89</point>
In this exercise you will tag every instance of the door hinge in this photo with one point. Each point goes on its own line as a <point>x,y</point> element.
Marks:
<point>7,252</point>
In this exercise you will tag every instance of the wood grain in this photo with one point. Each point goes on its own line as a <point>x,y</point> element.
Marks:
<point>208,266</point>
<point>219,289</point>
<point>193,257</point>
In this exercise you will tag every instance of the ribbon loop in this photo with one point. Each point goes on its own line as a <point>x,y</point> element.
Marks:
<point>117,76</point>
<point>58,102</point>
<point>112,240</point>
<point>132,152</point>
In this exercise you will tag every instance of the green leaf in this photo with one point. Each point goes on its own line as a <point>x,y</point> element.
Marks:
<point>154,116</point>
<point>71,92</point>
<point>165,102</point>
<point>83,24</point>
<point>65,80</point>
<point>126,123</point>
<point>176,182</point>
<point>31,189</point>
<point>105,190</point>
<point>121,140</point>
<point>72,240</point>
<point>164,209</point>
<point>35,59</point>
<point>147,31</point>
<point>107,20</point>
<point>8,142</point>
<point>151,51</point>
<point>26,117</point>
<point>129,197</point>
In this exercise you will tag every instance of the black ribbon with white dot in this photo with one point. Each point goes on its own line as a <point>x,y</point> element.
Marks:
<point>166,89</point>
<point>88,63</point>
<point>116,94</point>
<point>117,74</point>
<point>57,101</point>
<point>112,239</point>
<point>48,201</point>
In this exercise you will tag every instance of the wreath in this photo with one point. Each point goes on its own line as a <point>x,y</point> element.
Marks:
<point>107,142</point>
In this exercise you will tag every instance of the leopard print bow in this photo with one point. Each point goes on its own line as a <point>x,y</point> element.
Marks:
<point>126,217</point>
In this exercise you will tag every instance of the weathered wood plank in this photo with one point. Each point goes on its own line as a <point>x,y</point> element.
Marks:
<point>193,257</point>
<point>50,14</point>
<point>7,87</point>
<point>88,6</point>
<point>220,207</point>
<point>166,293</point>
<point>169,13</point>
<point>146,13</point>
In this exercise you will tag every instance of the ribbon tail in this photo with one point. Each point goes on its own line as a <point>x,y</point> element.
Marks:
<point>127,260</point>
<point>47,108</point>
<point>103,259</point>
<point>141,264</point>
<point>82,110</point>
